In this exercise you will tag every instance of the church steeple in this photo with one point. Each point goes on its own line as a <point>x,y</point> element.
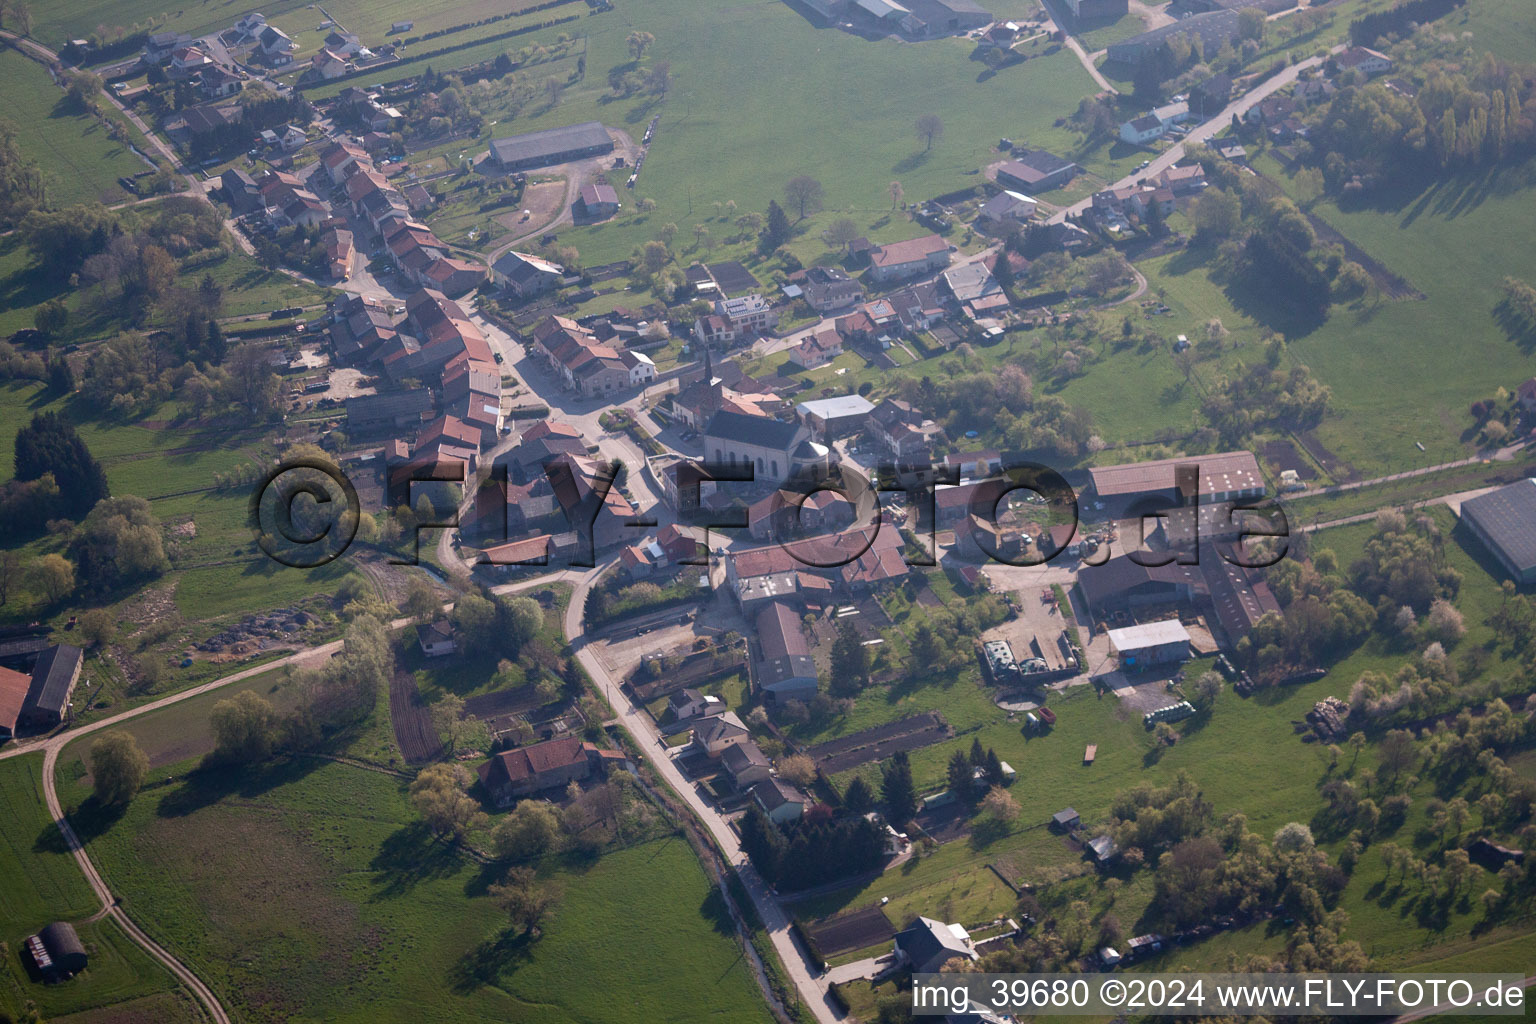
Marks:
<point>709,366</point>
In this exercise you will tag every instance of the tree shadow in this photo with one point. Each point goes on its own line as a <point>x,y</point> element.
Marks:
<point>717,913</point>
<point>409,856</point>
<point>912,162</point>
<point>490,960</point>
<point>986,832</point>
<point>91,819</point>
<point>209,783</point>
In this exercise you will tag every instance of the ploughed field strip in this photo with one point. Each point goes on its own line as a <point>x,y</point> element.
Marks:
<point>880,742</point>
<point>414,731</point>
<point>857,930</point>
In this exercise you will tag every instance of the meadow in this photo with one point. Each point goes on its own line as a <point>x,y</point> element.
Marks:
<point>309,891</point>
<point>43,884</point>
<point>79,162</point>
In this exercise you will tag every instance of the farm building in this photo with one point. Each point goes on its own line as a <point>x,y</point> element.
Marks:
<point>1000,664</point>
<point>57,952</point>
<point>1066,820</point>
<point>53,681</point>
<point>1093,10</point>
<point>1185,480</point>
<point>598,200</point>
<point>551,146</point>
<point>839,416</point>
<point>1151,643</point>
<point>13,697</point>
<point>784,667</point>
<point>1505,522</point>
<point>1214,29</point>
<point>1035,170</point>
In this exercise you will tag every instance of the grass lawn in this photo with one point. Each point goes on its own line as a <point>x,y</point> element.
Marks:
<point>44,884</point>
<point>310,892</point>
<point>1455,241</point>
<point>79,162</point>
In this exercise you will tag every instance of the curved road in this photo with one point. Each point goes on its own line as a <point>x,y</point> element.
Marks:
<point>51,745</point>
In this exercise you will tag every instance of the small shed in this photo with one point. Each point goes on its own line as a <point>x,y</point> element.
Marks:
<point>1066,820</point>
<point>1090,753</point>
<point>57,952</point>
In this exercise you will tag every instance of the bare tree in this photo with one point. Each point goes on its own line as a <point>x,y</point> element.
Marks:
<point>896,192</point>
<point>805,194</point>
<point>929,130</point>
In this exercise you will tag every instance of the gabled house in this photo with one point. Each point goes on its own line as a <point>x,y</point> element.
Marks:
<point>274,42</point>
<point>779,800</point>
<point>713,735</point>
<point>690,703</point>
<point>327,65</point>
<point>526,275</point>
<point>784,667</point>
<point>746,764</point>
<point>927,945</point>
<point>816,349</point>
<point>552,764</point>
<point>827,288</point>
<point>908,259</point>
<point>436,639</point>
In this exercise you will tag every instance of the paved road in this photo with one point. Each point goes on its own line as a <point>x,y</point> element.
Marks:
<point>51,745</point>
<point>812,988</point>
<point>1204,131</point>
<point>1083,56</point>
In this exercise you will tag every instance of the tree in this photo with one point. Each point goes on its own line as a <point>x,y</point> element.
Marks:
<point>894,190</point>
<point>897,792</point>
<point>1250,22</point>
<point>1294,837</point>
<point>857,798</point>
<point>638,42</point>
<point>804,193</point>
<point>525,901</point>
<point>929,130</point>
<point>474,621</point>
<point>54,575</point>
<point>439,796</point>
<point>531,830</point>
<point>777,230</point>
<point>841,233</point>
<point>10,574</point>
<point>51,317</point>
<point>119,542</point>
<point>1218,214</point>
<point>994,767</point>
<point>118,768</point>
<point>520,619</point>
<point>850,660</point>
<point>799,769</point>
<point>448,719</point>
<point>1000,805</point>
<point>250,373</point>
<point>960,778</point>
<point>244,728</point>
<point>1206,689</point>
<point>97,628</point>
<point>49,444</point>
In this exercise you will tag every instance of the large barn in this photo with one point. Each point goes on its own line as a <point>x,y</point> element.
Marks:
<point>551,146</point>
<point>1505,522</point>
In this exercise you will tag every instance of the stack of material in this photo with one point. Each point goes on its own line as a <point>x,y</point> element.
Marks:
<point>1327,719</point>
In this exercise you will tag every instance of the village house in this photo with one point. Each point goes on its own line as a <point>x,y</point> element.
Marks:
<point>816,349</point>
<point>746,764</point>
<point>436,638</point>
<point>1007,207</point>
<point>713,735</point>
<point>1364,60</point>
<point>549,765</point>
<point>745,313</point>
<point>827,289</point>
<point>689,703</point>
<point>927,945</point>
<point>779,800</point>
<point>526,275</point>
<point>908,259</point>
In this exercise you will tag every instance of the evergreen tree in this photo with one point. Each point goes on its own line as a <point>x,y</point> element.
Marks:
<point>857,798</point>
<point>777,231</point>
<point>897,792</point>
<point>762,841</point>
<point>850,661</point>
<point>994,768</point>
<point>978,754</point>
<point>50,445</point>
<point>958,775</point>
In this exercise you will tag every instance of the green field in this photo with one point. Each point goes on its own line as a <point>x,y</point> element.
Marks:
<point>308,891</point>
<point>43,884</point>
<point>79,162</point>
